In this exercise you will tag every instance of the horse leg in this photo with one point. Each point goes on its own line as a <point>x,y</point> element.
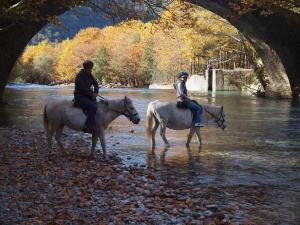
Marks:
<point>198,135</point>
<point>49,134</point>
<point>190,135</point>
<point>154,129</point>
<point>58,134</point>
<point>103,145</point>
<point>163,128</point>
<point>94,142</point>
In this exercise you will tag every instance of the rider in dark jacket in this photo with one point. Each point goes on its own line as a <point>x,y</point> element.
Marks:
<point>85,93</point>
<point>185,101</point>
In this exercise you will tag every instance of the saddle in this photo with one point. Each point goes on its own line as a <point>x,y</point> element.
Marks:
<point>183,105</point>
<point>85,111</point>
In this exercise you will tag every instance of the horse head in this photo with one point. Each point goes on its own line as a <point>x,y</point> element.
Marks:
<point>130,112</point>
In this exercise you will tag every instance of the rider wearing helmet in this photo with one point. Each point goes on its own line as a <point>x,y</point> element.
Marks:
<point>184,101</point>
<point>85,93</point>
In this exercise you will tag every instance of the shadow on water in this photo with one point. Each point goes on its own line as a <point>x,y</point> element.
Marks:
<point>255,163</point>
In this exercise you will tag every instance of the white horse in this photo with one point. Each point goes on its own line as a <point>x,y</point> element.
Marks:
<point>60,113</point>
<point>168,115</point>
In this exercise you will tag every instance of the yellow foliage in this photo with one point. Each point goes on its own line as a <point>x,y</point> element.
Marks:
<point>74,52</point>
<point>173,50</point>
<point>34,51</point>
<point>87,35</point>
<point>65,70</point>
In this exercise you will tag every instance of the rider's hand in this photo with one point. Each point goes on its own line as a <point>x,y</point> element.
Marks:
<point>94,96</point>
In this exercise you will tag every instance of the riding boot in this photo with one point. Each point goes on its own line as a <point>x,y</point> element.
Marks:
<point>90,125</point>
<point>87,130</point>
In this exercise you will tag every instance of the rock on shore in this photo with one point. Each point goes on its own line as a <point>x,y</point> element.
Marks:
<point>38,187</point>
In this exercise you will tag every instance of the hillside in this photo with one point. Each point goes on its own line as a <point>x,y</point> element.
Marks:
<point>72,22</point>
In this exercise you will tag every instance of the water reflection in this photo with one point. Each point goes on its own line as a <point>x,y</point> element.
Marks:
<point>256,160</point>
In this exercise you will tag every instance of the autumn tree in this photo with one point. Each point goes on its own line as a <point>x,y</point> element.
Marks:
<point>101,66</point>
<point>74,52</point>
<point>37,64</point>
<point>148,62</point>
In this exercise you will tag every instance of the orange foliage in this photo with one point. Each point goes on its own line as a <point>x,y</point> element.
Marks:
<point>73,53</point>
<point>173,49</point>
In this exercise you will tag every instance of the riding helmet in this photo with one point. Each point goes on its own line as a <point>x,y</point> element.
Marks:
<point>183,74</point>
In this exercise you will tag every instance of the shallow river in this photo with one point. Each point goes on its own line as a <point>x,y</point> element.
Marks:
<point>254,164</point>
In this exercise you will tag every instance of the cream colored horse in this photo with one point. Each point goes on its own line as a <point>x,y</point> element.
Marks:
<point>60,113</point>
<point>168,115</point>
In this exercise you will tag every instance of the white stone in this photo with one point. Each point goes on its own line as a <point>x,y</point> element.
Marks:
<point>197,83</point>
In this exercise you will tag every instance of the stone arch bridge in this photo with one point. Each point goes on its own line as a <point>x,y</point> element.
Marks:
<point>275,37</point>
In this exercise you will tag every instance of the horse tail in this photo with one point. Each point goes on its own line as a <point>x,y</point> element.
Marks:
<point>149,120</point>
<point>45,117</point>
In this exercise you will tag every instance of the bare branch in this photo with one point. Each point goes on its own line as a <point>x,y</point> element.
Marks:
<point>2,29</point>
<point>15,5</point>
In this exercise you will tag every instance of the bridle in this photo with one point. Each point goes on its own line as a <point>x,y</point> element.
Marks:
<point>220,120</point>
<point>127,113</point>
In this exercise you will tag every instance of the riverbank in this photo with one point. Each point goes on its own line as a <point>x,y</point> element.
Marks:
<point>38,187</point>
<point>161,86</point>
<point>64,84</point>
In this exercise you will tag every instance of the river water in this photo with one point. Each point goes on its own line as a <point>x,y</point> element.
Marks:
<point>254,164</point>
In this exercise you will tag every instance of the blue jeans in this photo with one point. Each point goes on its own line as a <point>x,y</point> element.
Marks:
<point>197,110</point>
<point>90,106</point>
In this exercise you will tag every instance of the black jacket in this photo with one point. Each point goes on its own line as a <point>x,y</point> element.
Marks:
<point>83,83</point>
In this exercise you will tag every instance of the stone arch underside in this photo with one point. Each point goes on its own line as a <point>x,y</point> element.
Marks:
<point>275,38</point>
<point>12,44</point>
<point>15,35</point>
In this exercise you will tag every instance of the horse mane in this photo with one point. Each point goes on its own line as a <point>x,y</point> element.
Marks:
<point>112,103</point>
<point>108,102</point>
<point>213,109</point>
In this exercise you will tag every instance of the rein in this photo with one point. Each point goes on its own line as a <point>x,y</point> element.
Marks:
<point>129,115</point>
